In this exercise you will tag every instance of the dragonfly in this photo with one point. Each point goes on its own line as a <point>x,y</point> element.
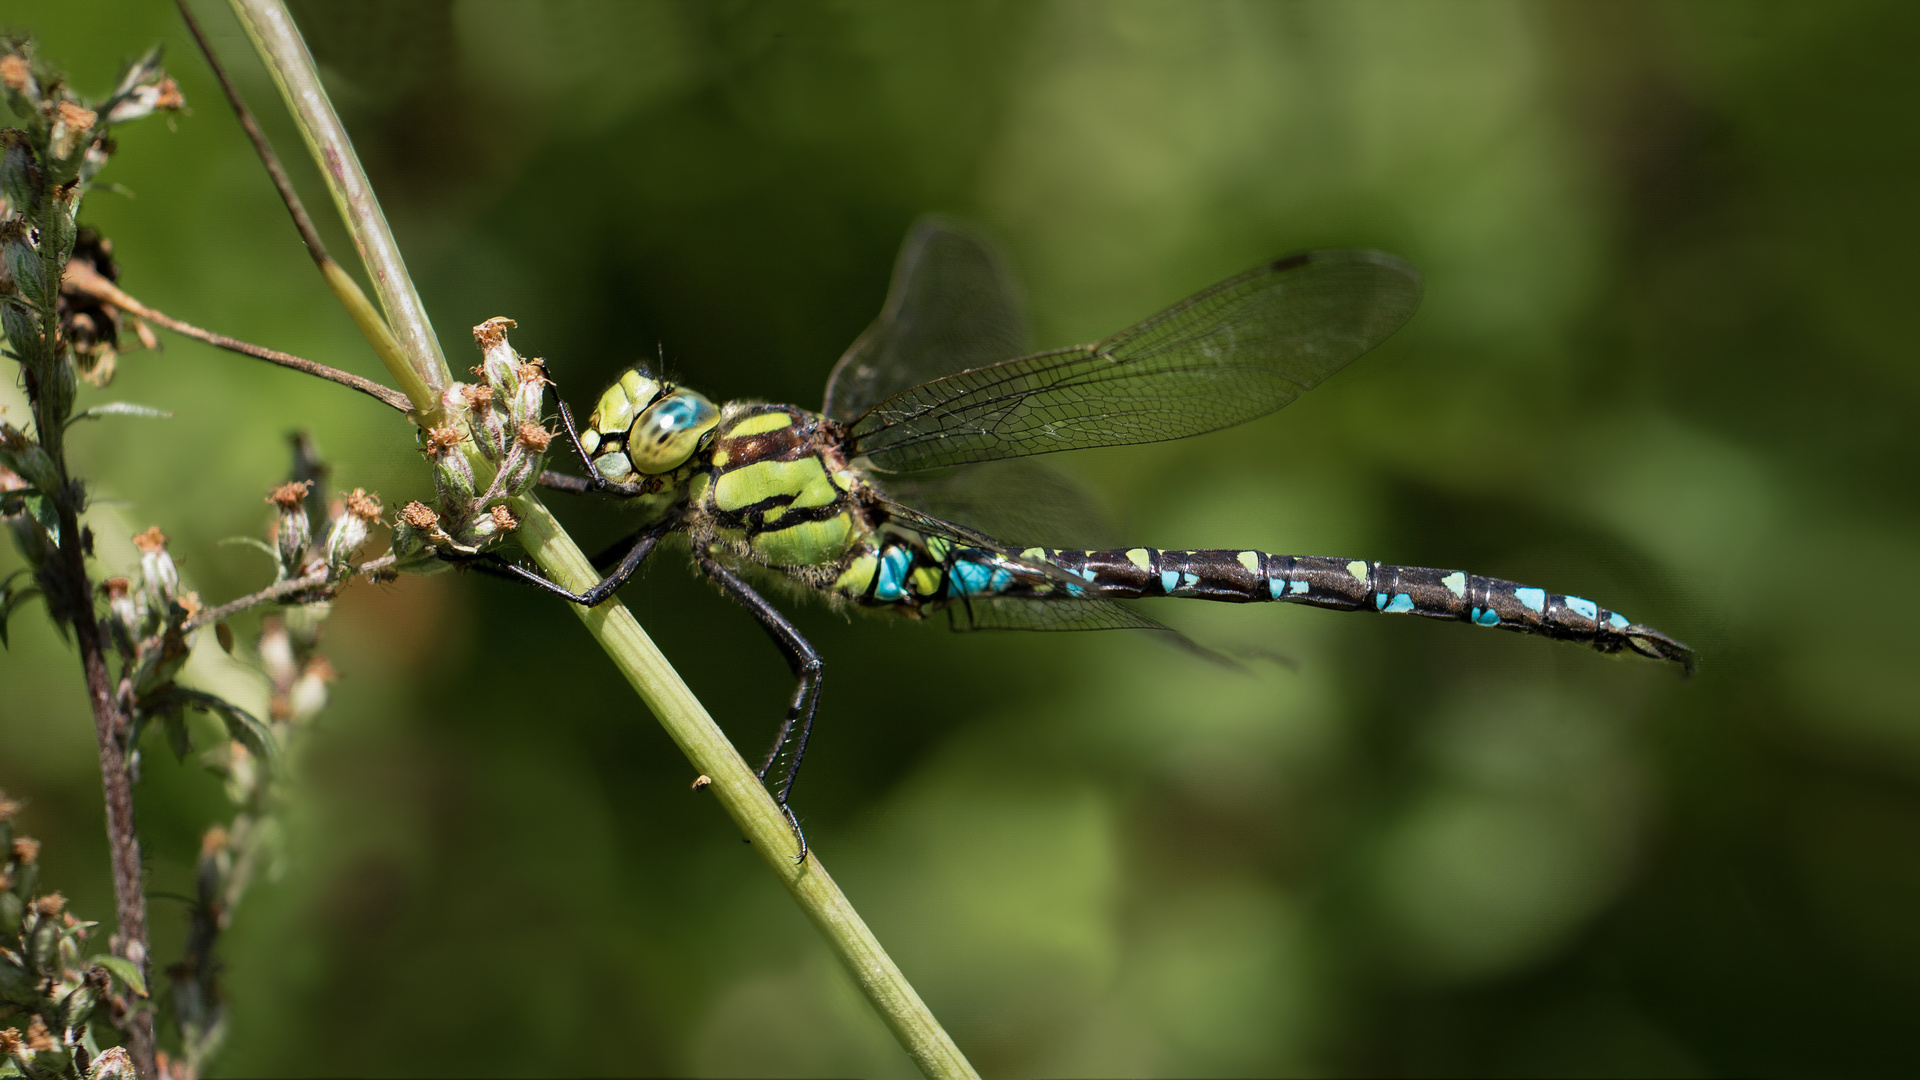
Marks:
<point>839,502</point>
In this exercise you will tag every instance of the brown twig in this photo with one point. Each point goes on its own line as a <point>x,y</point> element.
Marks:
<point>84,279</point>
<point>281,590</point>
<point>265,149</point>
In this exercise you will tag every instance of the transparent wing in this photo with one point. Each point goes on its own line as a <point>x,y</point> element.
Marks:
<point>1020,501</point>
<point>1238,350</point>
<point>951,307</point>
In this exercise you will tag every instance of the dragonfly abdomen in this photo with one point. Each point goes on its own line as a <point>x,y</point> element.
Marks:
<point>1359,585</point>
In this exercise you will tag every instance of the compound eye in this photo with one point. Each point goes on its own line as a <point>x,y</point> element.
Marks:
<point>667,432</point>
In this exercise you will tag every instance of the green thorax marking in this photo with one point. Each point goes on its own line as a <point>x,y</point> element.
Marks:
<point>782,493</point>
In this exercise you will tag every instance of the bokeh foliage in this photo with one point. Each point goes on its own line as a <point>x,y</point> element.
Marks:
<point>1664,360</point>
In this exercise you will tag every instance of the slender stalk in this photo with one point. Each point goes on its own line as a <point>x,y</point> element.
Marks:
<point>416,363</point>
<point>72,599</point>
<point>631,650</point>
<point>745,799</point>
<point>83,278</point>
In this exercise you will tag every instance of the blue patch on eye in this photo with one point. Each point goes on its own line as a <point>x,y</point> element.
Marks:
<point>676,413</point>
<point>893,574</point>
<point>1534,599</point>
<point>1585,608</point>
<point>1485,617</point>
<point>1400,604</point>
<point>1169,581</point>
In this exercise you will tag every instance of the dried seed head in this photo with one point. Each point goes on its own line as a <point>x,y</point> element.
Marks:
<point>476,397</point>
<point>535,437</point>
<point>503,519</point>
<point>71,123</point>
<point>16,72</point>
<point>440,440</point>
<point>213,841</point>
<point>291,495</point>
<point>39,1039</point>
<point>364,505</point>
<point>25,849</point>
<point>10,1041</point>
<point>8,808</point>
<point>493,332</point>
<point>153,540</point>
<point>49,905</point>
<point>420,516</point>
<point>498,359</point>
<point>116,587</point>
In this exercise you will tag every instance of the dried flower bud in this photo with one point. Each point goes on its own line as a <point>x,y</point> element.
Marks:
<point>49,905</point>
<point>308,695</point>
<point>293,532</point>
<point>39,1039</point>
<point>160,96</point>
<point>8,808</point>
<point>17,74</point>
<point>529,394</point>
<point>276,651</point>
<point>453,481</point>
<point>438,441</point>
<point>475,396</point>
<point>535,437</point>
<point>358,515</point>
<point>71,124</point>
<point>158,576</point>
<point>10,1041</point>
<point>25,849</point>
<point>503,519</point>
<point>518,472</point>
<point>490,430</point>
<point>498,360</point>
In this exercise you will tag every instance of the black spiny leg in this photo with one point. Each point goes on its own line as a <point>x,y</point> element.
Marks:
<point>643,544</point>
<point>807,667</point>
<point>575,485</point>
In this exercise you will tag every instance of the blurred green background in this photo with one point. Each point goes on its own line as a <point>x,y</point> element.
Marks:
<point>1665,360</point>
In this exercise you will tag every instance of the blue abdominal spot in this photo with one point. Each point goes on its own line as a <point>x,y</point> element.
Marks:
<point>893,574</point>
<point>1585,608</point>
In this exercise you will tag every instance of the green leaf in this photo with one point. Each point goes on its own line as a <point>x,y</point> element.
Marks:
<point>123,969</point>
<point>179,739</point>
<point>119,408</point>
<point>242,726</point>
<point>43,511</point>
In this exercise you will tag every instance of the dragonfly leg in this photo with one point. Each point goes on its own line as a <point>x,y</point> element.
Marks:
<point>630,563</point>
<point>594,481</point>
<point>807,668</point>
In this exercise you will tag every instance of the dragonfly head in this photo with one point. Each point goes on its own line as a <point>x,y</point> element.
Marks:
<point>643,425</point>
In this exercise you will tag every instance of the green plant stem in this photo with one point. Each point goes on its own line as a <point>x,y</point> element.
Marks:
<point>745,799</point>
<point>632,651</point>
<point>405,339</point>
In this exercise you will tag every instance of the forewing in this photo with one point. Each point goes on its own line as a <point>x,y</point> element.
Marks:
<point>1238,350</point>
<point>951,307</point>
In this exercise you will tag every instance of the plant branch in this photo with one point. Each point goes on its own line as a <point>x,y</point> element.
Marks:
<point>632,651</point>
<point>417,364</point>
<point>86,280</point>
<point>372,326</point>
<point>280,590</point>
